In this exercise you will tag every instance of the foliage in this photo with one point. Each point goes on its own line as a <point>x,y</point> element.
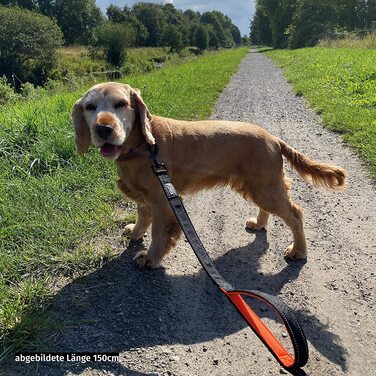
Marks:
<point>261,32</point>
<point>76,18</point>
<point>81,22</point>
<point>299,23</point>
<point>312,20</point>
<point>164,25</point>
<point>346,39</point>
<point>114,38</point>
<point>128,17</point>
<point>201,37</point>
<point>28,43</point>
<point>55,205</point>
<point>7,93</point>
<point>340,84</point>
<point>173,38</point>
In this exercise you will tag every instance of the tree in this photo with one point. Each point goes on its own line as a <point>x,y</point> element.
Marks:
<point>152,17</point>
<point>114,39</point>
<point>235,32</point>
<point>77,19</point>
<point>26,4</point>
<point>312,20</point>
<point>299,23</point>
<point>127,16</point>
<point>261,32</point>
<point>28,43</point>
<point>221,27</point>
<point>279,14</point>
<point>201,37</point>
<point>173,38</point>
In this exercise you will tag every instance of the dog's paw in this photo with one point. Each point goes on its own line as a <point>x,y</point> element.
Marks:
<point>131,231</point>
<point>128,229</point>
<point>295,254</point>
<point>253,225</point>
<point>142,259</point>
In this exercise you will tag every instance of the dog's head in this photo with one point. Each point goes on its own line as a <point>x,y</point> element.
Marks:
<point>105,116</point>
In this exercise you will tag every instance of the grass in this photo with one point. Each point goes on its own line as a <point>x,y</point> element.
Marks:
<point>350,41</point>
<point>340,85</point>
<point>53,203</point>
<point>78,61</point>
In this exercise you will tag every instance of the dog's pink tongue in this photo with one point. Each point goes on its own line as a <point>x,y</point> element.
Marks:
<point>108,150</point>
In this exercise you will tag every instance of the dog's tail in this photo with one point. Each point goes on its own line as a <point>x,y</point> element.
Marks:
<point>318,174</point>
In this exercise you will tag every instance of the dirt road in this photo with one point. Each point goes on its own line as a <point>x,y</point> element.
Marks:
<point>172,321</point>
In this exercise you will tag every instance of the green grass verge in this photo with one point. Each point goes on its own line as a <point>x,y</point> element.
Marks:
<point>52,202</point>
<point>340,85</point>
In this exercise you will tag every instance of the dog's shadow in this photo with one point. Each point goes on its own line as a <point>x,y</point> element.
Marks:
<point>121,307</point>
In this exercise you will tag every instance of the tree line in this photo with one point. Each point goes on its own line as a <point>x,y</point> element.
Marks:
<point>301,23</point>
<point>32,30</point>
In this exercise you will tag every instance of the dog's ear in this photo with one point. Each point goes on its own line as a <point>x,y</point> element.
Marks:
<point>83,138</point>
<point>144,115</point>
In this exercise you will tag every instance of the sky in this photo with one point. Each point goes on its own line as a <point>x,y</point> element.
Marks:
<point>240,11</point>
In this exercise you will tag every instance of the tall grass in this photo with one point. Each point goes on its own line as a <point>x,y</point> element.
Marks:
<point>53,203</point>
<point>350,41</point>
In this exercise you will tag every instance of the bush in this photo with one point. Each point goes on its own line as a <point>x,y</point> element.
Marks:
<point>7,93</point>
<point>28,43</point>
<point>114,38</point>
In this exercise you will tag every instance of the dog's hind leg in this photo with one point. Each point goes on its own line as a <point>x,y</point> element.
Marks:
<point>273,198</point>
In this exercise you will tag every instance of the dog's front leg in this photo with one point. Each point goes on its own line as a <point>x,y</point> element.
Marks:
<point>165,233</point>
<point>137,230</point>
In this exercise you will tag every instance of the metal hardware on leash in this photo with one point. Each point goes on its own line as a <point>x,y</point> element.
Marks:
<point>154,150</point>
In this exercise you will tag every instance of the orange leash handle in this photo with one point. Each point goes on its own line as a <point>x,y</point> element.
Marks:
<point>292,363</point>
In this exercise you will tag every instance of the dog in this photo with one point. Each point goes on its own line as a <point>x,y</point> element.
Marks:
<point>198,155</point>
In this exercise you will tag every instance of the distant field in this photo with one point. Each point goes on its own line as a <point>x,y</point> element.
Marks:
<point>340,84</point>
<point>54,203</point>
<point>82,61</point>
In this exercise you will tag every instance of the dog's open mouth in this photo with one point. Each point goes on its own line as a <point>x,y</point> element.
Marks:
<point>109,150</point>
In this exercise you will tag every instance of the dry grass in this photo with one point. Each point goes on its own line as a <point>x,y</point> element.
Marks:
<point>350,41</point>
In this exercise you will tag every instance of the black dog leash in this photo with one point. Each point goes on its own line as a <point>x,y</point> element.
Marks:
<point>291,363</point>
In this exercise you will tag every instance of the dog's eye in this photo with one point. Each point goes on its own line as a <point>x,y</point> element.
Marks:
<point>90,107</point>
<point>120,104</point>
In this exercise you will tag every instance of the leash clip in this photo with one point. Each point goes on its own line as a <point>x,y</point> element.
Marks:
<point>159,169</point>
<point>154,156</point>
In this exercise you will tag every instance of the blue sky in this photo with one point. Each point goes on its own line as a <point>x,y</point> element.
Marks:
<point>240,11</point>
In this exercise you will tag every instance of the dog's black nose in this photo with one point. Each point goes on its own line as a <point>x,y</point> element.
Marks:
<point>104,131</point>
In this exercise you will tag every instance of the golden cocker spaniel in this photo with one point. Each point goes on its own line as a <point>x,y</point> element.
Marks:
<point>198,155</point>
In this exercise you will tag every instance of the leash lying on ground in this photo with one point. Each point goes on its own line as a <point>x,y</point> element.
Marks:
<point>291,363</point>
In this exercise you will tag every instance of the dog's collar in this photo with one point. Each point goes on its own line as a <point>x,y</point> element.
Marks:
<point>132,153</point>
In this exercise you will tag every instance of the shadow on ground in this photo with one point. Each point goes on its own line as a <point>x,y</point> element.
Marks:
<point>121,308</point>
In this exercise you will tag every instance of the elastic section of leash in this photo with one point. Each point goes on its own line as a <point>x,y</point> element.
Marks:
<point>290,363</point>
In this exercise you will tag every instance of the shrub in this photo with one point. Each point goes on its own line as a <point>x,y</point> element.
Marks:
<point>114,38</point>
<point>28,43</point>
<point>7,93</point>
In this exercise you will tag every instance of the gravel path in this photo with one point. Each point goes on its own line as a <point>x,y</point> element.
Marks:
<point>172,321</point>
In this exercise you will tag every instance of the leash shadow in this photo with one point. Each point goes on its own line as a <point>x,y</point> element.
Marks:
<point>121,308</point>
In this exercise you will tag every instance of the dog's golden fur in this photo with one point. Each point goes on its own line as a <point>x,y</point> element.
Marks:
<point>198,155</point>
